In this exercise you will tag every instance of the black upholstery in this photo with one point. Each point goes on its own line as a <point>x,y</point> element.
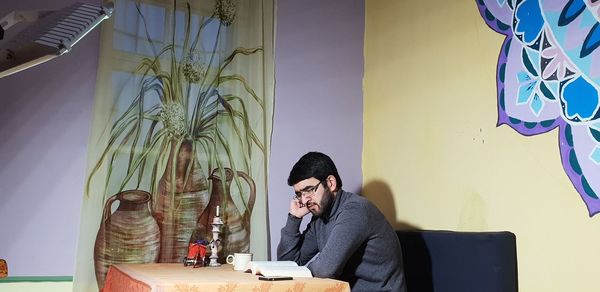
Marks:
<point>451,261</point>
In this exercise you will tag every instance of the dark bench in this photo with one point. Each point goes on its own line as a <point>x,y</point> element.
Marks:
<point>451,261</point>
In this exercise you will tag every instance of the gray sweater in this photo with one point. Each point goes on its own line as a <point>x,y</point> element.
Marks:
<point>354,243</point>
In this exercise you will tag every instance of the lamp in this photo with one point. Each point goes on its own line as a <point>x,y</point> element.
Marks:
<point>51,34</point>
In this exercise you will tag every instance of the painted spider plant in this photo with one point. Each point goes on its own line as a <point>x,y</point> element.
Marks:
<point>195,105</point>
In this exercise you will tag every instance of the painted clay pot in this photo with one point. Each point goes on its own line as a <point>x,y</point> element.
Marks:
<point>182,195</point>
<point>129,235</point>
<point>235,233</point>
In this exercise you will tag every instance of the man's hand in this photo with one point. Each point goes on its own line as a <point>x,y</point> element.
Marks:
<point>298,209</point>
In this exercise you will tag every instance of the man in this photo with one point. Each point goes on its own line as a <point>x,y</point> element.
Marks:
<point>351,239</point>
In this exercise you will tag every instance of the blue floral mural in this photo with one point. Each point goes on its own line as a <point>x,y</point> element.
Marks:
<point>548,77</point>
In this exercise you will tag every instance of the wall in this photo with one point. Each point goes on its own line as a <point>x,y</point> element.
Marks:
<point>44,125</point>
<point>431,145</point>
<point>318,94</point>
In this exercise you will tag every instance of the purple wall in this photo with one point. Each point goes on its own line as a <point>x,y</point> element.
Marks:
<point>318,94</point>
<point>45,116</point>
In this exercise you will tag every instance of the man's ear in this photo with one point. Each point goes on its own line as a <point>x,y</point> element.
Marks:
<point>331,183</point>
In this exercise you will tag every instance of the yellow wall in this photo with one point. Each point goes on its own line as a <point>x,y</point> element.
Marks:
<point>431,144</point>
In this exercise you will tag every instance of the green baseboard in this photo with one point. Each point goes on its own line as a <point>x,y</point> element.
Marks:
<point>36,279</point>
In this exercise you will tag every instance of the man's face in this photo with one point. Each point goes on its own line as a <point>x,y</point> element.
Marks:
<point>315,195</point>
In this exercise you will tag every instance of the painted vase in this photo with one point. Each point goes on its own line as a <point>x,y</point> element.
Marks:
<point>181,196</point>
<point>235,233</point>
<point>129,235</point>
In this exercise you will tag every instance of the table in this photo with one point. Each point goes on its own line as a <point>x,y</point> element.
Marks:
<point>176,277</point>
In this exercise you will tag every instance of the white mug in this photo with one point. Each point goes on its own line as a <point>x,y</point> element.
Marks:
<point>239,260</point>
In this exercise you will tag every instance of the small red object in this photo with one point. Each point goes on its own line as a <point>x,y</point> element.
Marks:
<point>196,254</point>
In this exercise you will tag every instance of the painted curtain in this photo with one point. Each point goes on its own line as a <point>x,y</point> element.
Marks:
<point>549,77</point>
<point>181,129</point>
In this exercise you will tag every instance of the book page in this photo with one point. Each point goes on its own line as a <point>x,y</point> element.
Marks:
<point>297,271</point>
<point>254,265</point>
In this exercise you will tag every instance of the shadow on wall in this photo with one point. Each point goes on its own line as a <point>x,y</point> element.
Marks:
<point>418,277</point>
<point>380,194</point>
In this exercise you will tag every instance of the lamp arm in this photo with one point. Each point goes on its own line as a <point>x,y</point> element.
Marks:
<point>51,34</point>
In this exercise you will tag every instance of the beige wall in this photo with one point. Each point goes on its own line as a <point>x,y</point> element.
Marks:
<point>431,145</point>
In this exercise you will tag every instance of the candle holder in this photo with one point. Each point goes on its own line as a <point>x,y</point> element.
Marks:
<point>216,241</point>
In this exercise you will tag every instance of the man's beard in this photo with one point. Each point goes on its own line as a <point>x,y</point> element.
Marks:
<point>324,204</point>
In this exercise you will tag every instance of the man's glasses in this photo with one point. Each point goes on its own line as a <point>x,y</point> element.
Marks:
<point>308,191</point>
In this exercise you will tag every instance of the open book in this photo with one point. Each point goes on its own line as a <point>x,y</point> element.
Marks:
<point>278,268</point>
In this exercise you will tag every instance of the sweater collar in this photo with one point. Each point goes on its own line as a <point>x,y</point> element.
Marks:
<point>337,200</point>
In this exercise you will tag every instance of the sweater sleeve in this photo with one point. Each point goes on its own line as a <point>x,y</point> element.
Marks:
<point>296,246</point>
<point>350,231</point>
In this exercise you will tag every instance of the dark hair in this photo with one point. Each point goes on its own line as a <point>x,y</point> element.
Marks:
<point>314,164</point>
